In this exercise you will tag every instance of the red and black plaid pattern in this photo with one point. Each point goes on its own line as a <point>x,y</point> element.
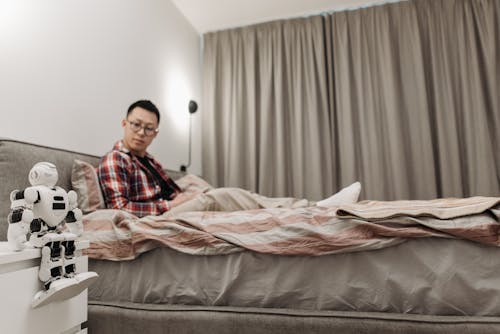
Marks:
<point>128,185</point>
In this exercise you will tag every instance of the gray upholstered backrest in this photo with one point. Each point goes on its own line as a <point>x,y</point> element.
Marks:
<point>16,160</point>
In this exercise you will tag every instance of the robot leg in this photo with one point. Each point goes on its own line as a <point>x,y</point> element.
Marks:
<point>51,266</point>
<point>51,273</point>
<point>71,268</point>
<point>59,272</point>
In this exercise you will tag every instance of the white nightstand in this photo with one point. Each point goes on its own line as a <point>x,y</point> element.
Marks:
<point>18,284</point>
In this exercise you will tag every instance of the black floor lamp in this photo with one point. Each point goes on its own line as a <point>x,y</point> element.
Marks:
<point>192,107</point>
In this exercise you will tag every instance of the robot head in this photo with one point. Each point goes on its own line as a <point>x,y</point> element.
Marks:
<point>43,174</point>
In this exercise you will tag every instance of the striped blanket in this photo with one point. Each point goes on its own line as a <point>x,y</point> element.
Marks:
<point>116,235</point>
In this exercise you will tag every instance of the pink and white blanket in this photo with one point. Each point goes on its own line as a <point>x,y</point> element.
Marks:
<point>313,231</point>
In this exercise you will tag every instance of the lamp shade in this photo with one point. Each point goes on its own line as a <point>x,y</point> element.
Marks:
<point>193,106</point>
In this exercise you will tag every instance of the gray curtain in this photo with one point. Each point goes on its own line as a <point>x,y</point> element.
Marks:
<point>265,109</point>
<point>403,97</point>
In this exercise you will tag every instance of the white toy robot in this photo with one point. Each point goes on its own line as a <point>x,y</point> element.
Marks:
<point>40,212</point>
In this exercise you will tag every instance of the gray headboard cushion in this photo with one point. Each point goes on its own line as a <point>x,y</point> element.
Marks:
<point>16,160</point>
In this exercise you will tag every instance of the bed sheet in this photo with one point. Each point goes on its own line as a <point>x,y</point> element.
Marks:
<point>429,276</point>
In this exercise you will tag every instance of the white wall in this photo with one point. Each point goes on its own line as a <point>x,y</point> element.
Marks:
<point>70,68</point>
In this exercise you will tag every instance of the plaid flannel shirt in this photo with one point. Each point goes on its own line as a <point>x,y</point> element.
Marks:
<point>128,185</point>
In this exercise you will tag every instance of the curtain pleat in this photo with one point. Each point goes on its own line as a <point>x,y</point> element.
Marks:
<point>403,97</point>
<point>461,54</point>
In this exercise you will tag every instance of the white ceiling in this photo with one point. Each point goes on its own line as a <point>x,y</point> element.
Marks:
<point>211,15</point>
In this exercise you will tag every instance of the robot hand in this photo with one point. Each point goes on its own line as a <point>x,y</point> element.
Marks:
<point>74,222</point>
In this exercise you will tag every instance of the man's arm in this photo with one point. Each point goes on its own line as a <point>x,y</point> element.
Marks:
<point>114,177</point>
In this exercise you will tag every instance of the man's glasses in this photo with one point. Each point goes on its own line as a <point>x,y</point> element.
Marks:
<point>137,127</point>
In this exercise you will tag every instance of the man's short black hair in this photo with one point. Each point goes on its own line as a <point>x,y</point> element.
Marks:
<point>145,104</point>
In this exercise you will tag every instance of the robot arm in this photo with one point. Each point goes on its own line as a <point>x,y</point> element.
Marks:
<point>24,198</point>
<point>74,221</point>
<point>18,228</point>
<point>74,217</point>
<point>20,217</point>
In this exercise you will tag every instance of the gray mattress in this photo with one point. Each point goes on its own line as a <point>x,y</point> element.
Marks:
<point>427,276</point>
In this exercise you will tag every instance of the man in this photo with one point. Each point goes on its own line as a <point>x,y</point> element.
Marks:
<point>134,181</point>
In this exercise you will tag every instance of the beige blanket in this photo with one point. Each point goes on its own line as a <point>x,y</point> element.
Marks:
<point>311,231</point>
<point>442,208</point>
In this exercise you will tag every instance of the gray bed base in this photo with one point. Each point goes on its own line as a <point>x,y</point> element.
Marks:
<point>125,318</point>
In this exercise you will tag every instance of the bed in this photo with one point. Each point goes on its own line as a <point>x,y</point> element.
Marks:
<point>413,275</point>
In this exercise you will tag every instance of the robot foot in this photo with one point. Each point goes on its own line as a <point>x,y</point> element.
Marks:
<point>86,279</point>
<point>64,288</point>
<point>60,289</point>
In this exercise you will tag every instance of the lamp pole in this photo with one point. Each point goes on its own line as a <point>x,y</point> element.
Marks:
<point>192,108</point>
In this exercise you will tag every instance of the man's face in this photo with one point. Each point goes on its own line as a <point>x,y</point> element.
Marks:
<point>136,127</point>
